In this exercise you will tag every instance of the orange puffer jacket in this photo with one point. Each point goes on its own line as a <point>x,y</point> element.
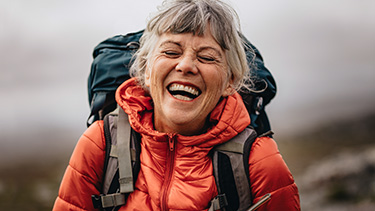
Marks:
<point>176,171</point>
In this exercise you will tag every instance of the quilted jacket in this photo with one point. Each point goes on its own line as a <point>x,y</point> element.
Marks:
<point>176,170</point>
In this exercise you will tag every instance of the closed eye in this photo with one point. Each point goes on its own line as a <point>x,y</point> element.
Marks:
<point>171,53</point>
<point>206,59</point>
<point>209,55</point>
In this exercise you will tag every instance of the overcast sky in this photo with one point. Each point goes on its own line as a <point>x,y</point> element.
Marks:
<point>321,53</point>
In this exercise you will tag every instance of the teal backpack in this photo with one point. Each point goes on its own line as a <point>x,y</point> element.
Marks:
<point>110,68</point>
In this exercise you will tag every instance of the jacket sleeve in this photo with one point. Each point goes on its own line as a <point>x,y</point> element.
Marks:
<point>83,176</point>
<point>270,174</point>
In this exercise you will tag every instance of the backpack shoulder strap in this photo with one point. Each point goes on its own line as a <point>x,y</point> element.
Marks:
<point>124,153</point>
<point>121,166</point>
<point>231,172</point>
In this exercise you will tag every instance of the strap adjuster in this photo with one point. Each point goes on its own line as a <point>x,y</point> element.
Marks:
<point>109,200</point>
<point>219,202</point>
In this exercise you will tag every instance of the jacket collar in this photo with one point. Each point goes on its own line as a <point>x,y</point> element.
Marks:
<point>229,117</point>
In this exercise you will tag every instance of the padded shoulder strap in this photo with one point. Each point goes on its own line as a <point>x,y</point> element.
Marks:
<point>124,155</point>
<point>121,149</point>
<point>231,170</point>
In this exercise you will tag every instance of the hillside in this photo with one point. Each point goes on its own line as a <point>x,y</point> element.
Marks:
<point>334,165</point>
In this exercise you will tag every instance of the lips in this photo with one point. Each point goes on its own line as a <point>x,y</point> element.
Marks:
<point>183,92</point>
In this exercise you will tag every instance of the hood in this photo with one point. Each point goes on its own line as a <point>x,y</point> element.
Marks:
<point>228,118</point>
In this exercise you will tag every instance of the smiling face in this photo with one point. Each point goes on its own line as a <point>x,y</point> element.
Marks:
<point>188,75</point>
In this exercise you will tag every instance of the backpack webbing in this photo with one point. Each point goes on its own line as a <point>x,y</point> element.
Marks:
<point>112,196</point>
<point>230,162</point>
<point>231,170</point>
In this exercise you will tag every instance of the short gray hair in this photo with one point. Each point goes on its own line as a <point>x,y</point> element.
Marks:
<point>193,16</point>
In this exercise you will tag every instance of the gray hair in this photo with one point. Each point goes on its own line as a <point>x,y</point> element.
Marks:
<point>193,16</point>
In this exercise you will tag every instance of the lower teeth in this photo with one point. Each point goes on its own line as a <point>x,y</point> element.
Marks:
<point>181,97</point>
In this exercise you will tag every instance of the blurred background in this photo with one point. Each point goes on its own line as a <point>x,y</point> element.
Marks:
<point>321,53</point>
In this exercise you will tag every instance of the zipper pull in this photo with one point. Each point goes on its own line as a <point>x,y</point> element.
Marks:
<point>171,140</point>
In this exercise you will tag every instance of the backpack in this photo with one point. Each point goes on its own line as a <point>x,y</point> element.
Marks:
<point>122,165</point>
<point>110,68</point>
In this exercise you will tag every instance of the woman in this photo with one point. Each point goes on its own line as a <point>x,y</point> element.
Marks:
<point>183,101</point>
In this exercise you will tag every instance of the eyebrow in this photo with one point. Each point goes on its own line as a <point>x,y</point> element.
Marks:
<point>169,42</point>
<point>200,49</point>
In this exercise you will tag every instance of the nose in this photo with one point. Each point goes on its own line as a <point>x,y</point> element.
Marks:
<point>187,65</point>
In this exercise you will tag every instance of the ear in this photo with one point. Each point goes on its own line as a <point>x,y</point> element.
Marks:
<point>229,90</point>
<point>147,78</point>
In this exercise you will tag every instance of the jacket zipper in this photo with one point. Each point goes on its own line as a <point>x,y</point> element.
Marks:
<point>168,171</point>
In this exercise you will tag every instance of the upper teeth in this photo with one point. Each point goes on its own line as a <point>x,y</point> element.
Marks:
<point>179,87</point>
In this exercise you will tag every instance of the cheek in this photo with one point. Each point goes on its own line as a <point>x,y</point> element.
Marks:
<point>215,84</point>
<point>217,81</point>
<point>155,79</point>
<point>151,69</point>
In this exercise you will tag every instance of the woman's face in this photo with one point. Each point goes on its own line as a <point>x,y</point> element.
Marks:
<point>187,76</point>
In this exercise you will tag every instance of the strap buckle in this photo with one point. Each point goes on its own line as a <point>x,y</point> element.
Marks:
<point>96,201</point>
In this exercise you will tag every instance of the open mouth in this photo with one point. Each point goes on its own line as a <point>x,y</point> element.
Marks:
<point>183,92</point>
